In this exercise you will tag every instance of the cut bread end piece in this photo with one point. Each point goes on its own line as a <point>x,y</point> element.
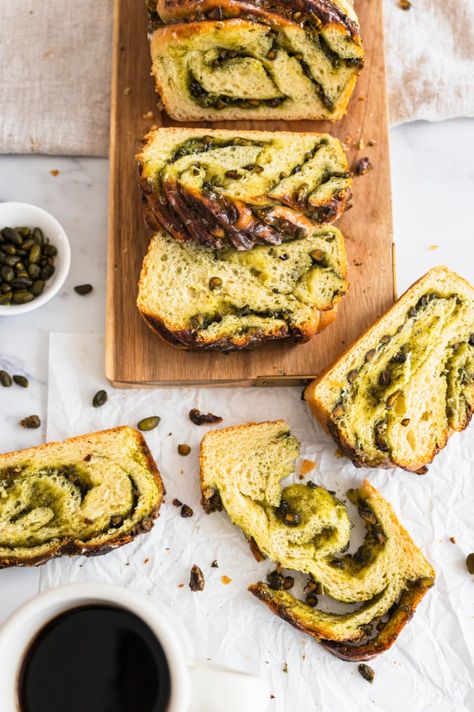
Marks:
<point>86,495</point>
<point>398,393</point>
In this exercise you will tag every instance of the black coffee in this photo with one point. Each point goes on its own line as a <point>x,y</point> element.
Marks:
<point>95,659</point>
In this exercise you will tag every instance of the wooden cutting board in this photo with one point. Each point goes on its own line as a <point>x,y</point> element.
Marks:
<point>135,356</point>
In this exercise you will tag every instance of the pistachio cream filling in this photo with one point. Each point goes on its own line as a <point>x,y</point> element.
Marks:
<point>80,500</point>
<point>418,379</point>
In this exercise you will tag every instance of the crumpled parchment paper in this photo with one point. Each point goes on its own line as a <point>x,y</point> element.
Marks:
<point>430,668</point>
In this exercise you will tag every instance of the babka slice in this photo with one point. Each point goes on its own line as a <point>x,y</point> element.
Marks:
<point>242,188</point>
<point>305,528</point>
<point>86,495</point>
<point>197,298</point>
<point>395,397</point>
<point>255,59</point>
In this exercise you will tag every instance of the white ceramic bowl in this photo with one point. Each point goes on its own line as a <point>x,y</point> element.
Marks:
<point>24,214</point>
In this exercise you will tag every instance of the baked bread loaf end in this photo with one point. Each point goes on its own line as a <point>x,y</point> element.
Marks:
<point>198,298</point>
<point>222,188</point>
<point>248,59</point>
<point>86,495</point>
<point>395,396</point>
<point>305,528</point>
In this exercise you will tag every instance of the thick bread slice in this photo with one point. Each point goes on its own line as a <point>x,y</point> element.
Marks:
<point>306,528</point>
<point>243,59</point>
<point>198,298</point>
<point>86,495</point>
<point>397,394</point>
<point>242,188</point>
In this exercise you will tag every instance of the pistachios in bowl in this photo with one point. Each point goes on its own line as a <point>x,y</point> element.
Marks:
<point>34,257</point>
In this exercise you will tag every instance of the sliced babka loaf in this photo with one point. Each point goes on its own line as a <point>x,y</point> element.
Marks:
<point>86,495</point>
<point>198,298</point>
<point>305,528</point>
<point>242,187</point>
<point>255,59</point>
<point>395,397</point>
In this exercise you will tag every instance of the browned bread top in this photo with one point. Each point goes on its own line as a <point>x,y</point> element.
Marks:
<point>313,13</point>
<point>86,495</point>
<point>242,188</point>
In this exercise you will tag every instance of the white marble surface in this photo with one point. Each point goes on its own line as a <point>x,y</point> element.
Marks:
<point>433,191</point>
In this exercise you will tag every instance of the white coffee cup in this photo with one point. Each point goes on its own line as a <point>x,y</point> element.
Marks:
<point>195,686</point>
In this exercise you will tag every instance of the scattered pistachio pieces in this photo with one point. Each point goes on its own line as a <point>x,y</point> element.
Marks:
<point>196,579</point>
<point>275,581</point>
<point>5,379</point>
<point>311,600</point>
<point>362,166</point>
<point>215,283</point>
<point>83,289</point>
<point>184,449</point>
<point>470,563</point>
<point>186,511</point>
<point>99,399</point>
<point>21,381</point>
<point>31,422</point>
<point>226,580</point>
<point>149,423</point>
<point>286,515</point>
<point>199,418</point>
<point>367,672</point>
<point>313,587</point>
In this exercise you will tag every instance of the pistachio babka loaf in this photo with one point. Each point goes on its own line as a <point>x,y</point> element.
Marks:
<point>255,59</point>
<point>198,298</point>
<point>395,397</point>
<point>242,188</point>
<point>86,495</point>
<point>305,528</point>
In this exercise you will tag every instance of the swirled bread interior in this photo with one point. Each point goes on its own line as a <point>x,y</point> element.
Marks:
<point>242,188</point>
<point>85,495</point>
<point>241,471</point>
<point>200,298</point>
<point>236,59</point>
<point>399,392</point>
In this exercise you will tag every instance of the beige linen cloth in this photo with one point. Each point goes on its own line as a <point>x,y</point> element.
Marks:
<point>55,62</point>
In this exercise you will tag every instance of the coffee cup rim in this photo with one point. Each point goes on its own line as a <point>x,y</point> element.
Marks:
<point>51,603</point>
